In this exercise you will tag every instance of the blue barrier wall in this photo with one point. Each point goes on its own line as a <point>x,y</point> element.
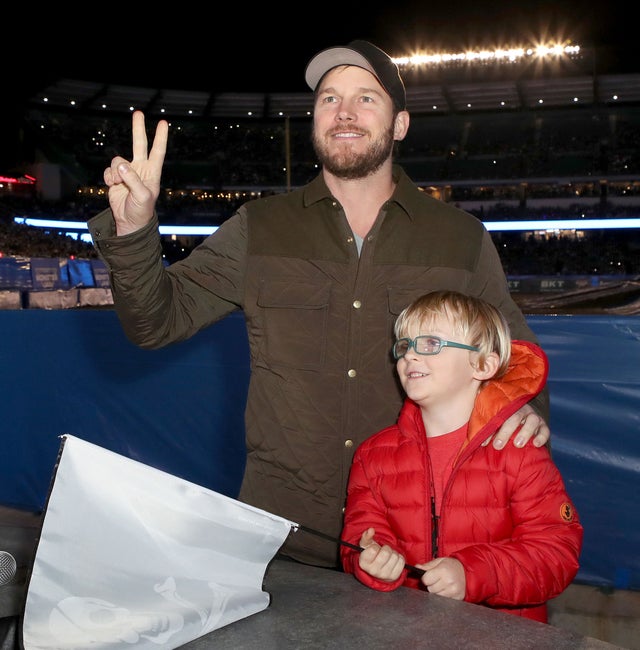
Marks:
<point>180,409</point>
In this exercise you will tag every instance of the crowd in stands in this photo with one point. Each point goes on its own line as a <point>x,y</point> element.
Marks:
<point>586,141</point>
<point>211,169</point>
<point>595,253</point>
<point>610,252</point>
<point>19,240</point>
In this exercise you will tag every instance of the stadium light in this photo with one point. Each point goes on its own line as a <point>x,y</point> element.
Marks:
<point>498,226</point>
<point>509,55</point>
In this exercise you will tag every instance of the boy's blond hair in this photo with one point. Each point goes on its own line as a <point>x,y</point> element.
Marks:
<point>476,321</point>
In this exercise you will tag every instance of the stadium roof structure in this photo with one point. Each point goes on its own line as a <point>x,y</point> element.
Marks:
<point>442,97</point>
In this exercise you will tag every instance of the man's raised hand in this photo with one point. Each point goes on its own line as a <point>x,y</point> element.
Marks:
<point>134,186</point>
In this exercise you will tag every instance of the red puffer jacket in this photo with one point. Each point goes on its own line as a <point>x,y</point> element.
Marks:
<point>505,515</point>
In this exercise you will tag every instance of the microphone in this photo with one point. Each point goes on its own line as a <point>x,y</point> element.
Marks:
<point>8,568</point>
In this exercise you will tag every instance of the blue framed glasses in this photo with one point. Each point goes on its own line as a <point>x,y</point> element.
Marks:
<point>426,345</point>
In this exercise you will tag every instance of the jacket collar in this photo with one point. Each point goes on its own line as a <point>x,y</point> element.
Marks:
<point>407,195</point>
<point>498,398</point>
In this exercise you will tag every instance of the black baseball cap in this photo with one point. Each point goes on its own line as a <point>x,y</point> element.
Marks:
<point>364,55</point>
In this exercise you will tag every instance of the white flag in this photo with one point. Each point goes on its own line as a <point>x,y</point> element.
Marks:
<point>132,556</point>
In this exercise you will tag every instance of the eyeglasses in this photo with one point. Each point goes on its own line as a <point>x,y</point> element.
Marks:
<point>426,345</point>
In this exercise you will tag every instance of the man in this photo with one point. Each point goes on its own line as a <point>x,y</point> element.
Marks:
<point>320,273</point>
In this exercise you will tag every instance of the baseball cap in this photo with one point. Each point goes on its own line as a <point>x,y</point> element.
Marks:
<point>364,55</point>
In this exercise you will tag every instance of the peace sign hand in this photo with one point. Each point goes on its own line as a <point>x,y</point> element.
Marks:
<point>134,186</point>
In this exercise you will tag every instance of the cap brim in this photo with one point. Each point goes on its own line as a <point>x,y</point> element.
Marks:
<point>332,58</point>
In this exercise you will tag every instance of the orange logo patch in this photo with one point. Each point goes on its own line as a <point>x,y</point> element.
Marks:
<point>566,512</point>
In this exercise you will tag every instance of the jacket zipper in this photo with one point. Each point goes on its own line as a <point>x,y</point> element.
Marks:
<point>434,527</point>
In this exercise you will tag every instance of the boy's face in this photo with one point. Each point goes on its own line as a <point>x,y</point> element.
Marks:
<point>447,379</point>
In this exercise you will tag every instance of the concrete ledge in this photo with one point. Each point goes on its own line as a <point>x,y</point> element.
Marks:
<point>10,300</point>
<point>57,299</point>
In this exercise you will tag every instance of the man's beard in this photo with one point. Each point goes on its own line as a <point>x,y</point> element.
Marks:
<point>348,165</point>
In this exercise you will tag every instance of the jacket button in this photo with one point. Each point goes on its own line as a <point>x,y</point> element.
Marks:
<point>348,444</point>
<point>357,304</point>
<point>352,373</point>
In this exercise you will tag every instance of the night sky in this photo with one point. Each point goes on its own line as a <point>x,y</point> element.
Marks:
<point>266,49</point>
<point>243,49</point>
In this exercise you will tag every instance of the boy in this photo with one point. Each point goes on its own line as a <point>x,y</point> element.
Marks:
<point>496,528</point>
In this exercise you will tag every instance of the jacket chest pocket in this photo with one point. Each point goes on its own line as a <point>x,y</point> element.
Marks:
<point>295,317</point>
<point>399,298</point>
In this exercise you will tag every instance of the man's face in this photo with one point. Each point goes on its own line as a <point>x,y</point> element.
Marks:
<point>353,123</point>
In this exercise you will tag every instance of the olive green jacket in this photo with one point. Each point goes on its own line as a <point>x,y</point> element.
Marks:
<point>320,325</point>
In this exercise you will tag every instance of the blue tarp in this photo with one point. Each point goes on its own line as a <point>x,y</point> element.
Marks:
<point>100,274</point>
<point>15,273</point>
<point>80,273</point>
<point>180,409</point>
<point>51,273</point>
